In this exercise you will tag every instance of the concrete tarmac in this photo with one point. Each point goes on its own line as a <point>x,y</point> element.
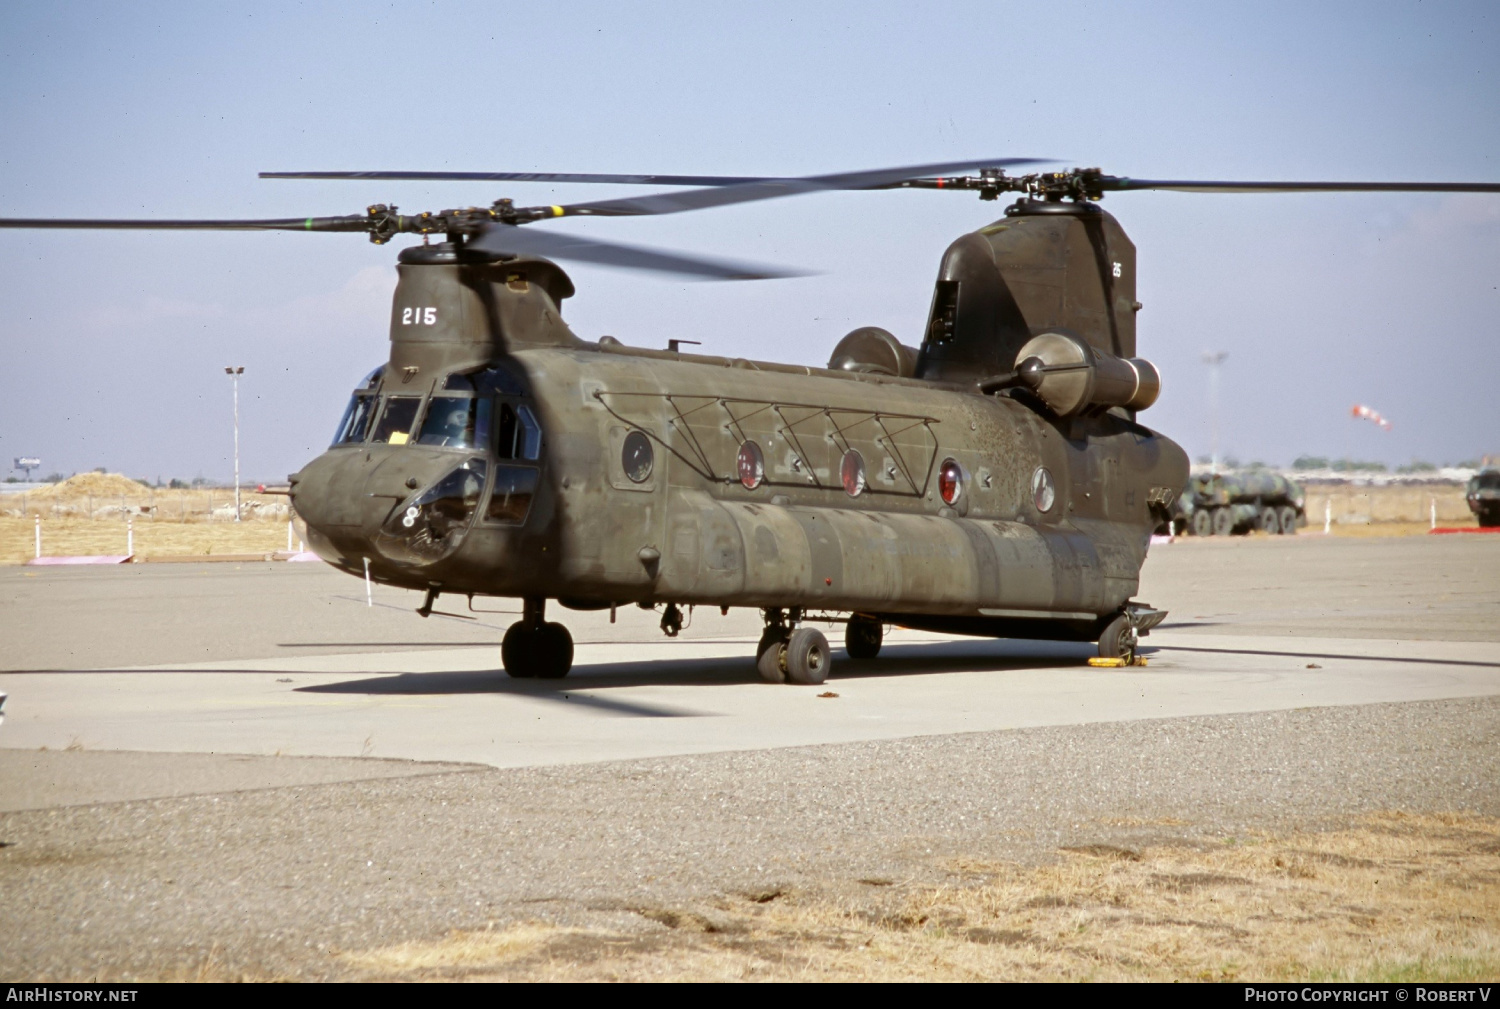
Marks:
<point>1296,678</point>
<point>290,660</point>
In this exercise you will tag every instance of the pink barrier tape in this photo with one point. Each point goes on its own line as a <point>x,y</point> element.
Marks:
<point>305,556</point>
<point>112,559</point>
<point>1445,530</point>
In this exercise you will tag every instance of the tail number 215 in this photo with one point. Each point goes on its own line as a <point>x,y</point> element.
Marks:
<point>419,316</point>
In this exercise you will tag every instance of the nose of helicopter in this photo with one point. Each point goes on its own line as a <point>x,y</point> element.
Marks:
<point>404,506</point>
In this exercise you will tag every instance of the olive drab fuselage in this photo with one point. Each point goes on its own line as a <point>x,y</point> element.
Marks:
<point>599,474</point>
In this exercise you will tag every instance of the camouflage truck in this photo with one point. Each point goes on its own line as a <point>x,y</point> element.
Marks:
<point>1483,495</point>
<point>1224,504</point>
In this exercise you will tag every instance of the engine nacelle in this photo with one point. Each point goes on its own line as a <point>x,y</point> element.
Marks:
<point>1070,375</point>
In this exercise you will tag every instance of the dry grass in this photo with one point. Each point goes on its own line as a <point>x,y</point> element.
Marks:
<point>88,514</point>
<point>1402,511</point>
<point>1394,898</point>
<point>75,536</point>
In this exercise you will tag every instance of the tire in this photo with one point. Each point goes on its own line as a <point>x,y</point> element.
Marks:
<point>1270,522</point>
<point>1203,522</point>
<point>518,651</point>
<point>1223,522</point>
<point>769,655</point>
<point>862,637</point>
<point>556,652</point>
<point>1288,516</point>
<point>1118,639</point>
<point>1488,518</point>
<point>807,657</point>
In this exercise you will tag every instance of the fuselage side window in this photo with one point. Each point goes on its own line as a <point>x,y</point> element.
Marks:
<point>517,433</point>
<point>505,433</point>
<point>530,440</point>
<point>510,498</point>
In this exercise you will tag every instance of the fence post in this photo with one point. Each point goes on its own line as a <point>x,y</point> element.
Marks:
<point>1328,516</point>
<point>1434,514</point>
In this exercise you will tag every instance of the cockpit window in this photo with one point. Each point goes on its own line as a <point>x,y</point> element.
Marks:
<point>519,436</point>
<point>396,421</point>
<point>356,419</point>
<point>361,408</point>
<point>457,422</point>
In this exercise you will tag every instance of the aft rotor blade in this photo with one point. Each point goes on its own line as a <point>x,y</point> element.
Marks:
<point>510,239</point>
<point>771,189</point>
<point>353,222</point>
<point>1120,184</point>
<point>620,180</point>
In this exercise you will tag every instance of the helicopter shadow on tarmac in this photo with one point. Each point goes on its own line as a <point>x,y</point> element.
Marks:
<point>895,661</point>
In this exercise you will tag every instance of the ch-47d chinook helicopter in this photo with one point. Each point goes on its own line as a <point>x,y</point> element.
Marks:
<point>993,480</point>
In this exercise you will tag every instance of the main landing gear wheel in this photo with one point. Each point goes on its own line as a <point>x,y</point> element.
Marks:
<point>1118,640</point>
<point>770,654</point>
<point>533,649</point>
<point>806,656</point>
<point>1288,517</point>
<point>862,637</point>
<point>1203,523</point>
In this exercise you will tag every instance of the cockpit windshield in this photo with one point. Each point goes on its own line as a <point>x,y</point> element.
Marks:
<point>457,422</point>
<point>356,419</point>
<point>397,419</point>
<point>362,407</point>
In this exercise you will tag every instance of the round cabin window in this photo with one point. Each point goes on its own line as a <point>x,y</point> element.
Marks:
<point>637,457</point>
<point>751,463</point>
<point>852,472</point>
<point>1042,490</point>
<point>950,481</point>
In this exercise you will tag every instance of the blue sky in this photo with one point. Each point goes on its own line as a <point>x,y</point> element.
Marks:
<point>116,343</point>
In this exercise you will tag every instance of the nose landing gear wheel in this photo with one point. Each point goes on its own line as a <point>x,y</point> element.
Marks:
<point>1118,640</point>
<point>544,652</point>
<point>862,637</point>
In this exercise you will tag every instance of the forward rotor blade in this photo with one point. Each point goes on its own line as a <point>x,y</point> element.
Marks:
<point>621,180</point>
<point>511,239</point>
<point>1120,184</point>
<point>771,189</point>
<point>353,222</point>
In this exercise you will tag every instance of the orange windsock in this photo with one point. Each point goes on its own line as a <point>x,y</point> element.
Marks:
<point>1362,412</point>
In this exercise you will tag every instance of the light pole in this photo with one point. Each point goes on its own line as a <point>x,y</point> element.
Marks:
<point>1214,358</point>
<point>234,375</point>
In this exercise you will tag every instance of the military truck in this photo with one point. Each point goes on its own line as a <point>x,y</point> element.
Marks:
<point>1483,495</point>
<point>1224,504</point>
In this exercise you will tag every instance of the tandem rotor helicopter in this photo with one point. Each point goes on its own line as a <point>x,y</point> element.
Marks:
<point>993,480</point>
